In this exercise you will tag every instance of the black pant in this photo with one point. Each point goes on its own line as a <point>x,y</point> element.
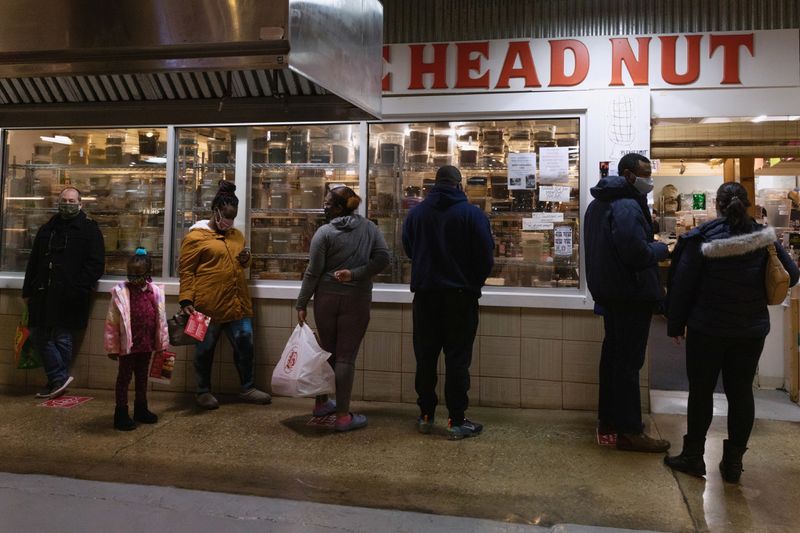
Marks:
<point>737,359</point>
<point>621,359</point>
<point>446,321</point>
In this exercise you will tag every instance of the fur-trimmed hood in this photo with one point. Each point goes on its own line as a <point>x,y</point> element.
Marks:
<point>737,245</point>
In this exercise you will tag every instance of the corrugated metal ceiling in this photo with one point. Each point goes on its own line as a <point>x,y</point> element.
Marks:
<point>407,21</point>
<point>156,86</point>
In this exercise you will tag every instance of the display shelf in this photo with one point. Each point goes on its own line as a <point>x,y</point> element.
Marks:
<point>319,166</point>
<point>155,168</point>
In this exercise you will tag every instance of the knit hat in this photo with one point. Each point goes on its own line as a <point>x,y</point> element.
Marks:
<point>448,175</point>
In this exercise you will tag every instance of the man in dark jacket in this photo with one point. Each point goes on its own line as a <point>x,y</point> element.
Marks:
<point>451,248</point>
<point>622,274</point>
<point>67,259</point>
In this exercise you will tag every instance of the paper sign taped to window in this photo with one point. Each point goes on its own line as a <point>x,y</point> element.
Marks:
<point>554,193</point>
<point>547,217</point>
<point>562,241</point>
<point>531,224</point>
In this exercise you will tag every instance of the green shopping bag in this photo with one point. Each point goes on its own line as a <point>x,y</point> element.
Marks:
<point>25,355</point>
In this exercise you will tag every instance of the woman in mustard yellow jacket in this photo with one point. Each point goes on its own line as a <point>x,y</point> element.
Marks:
<point>211,269</point>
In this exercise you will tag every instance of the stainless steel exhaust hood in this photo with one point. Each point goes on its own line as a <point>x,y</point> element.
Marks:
<point>75,62</point>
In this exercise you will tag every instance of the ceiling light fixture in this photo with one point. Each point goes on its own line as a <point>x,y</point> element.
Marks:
<point>58,139</point>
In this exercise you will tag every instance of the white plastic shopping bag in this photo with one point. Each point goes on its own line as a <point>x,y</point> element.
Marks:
<point>303,370</point>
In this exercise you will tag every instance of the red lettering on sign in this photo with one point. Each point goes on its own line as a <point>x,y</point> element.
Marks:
<point>559,78</point>
<point>669,71</point>
<point>527,70</point>
<point>419,67</point>
<point>730,48</point>
<point>638,68</point>
<point>386,82</point>
<point>467,63</point>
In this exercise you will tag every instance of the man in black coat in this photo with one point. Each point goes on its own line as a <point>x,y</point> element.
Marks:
<point>622,274</point>
<point>67,259</point>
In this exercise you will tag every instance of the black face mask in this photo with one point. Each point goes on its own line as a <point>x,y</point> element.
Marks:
<point>139,280</point>
<point>328,215</point>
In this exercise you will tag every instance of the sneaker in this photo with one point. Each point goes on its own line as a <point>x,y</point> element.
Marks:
<point>59,388</point>
<point>468,428</point>
<point>350,422</point>
<point>207,401</point>
<point>641,442</point>
<point>324,409</point>
<point>44,392</point>
<point>425,424</point>
<point>255,396</point>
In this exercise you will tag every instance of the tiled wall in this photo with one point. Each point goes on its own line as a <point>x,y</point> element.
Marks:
<point>532,358</point>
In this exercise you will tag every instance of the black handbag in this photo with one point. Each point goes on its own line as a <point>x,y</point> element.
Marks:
<point>176,326</point>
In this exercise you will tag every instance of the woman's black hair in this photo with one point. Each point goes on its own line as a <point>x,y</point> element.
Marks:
<point>141,257</point>
<point>345,198</point>
<point>225,196</point>
<point>732,203</point>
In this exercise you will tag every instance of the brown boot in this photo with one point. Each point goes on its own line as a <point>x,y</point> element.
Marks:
<point>639,442</point>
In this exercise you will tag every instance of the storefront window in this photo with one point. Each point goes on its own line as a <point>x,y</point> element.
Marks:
<point>292,169</point>
<point>205,157</point>
<point>524,174</point>
<point>119,172</point>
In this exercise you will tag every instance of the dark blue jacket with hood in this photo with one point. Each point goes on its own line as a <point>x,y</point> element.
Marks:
<point>621,256</point>
<point>449,242</point>
<point>716,282</point>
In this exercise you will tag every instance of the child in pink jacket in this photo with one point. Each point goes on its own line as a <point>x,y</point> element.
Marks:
<point>136,326</point>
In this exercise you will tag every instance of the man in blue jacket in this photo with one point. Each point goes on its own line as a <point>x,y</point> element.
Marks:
<point>451,248</point>
<point>622,274</point>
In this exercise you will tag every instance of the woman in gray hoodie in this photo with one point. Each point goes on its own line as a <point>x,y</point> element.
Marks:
<point>346,253</point>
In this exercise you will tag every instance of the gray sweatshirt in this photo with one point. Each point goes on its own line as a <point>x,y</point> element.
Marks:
<point>350,242</point>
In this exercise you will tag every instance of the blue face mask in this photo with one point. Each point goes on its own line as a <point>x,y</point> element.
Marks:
<point>643,185</point>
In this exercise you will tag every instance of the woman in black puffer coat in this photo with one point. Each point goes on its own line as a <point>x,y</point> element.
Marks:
<point>717,298</point>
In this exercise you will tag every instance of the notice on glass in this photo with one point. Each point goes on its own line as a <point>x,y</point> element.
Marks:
<point>553,165</point>
<point>554,193</point>
<point>531,224</point>
<point>547,217</point>
<point>562,241</point>
<point>521,171</point>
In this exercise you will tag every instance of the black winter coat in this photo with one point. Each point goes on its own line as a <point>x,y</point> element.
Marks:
<point>716,282</point>
<point>621,255</point>
<point>67,259</point>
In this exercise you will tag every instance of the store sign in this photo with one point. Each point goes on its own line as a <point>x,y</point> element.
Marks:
<point>703,60</point>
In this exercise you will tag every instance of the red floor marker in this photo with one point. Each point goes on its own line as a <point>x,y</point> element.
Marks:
<point>65,402</point>
<point>322,421</point>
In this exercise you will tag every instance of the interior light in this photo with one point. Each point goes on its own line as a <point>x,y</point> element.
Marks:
<point>154,159</point>
<point>58,139</point>
<point>759,118</point>
<point>149,134</point>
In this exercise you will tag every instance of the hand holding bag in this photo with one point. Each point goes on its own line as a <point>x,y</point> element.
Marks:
<point>303,370</point>
<point>776,279</point>
<point>176,326</point>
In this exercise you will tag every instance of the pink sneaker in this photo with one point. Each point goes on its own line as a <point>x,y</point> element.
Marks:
<point>350,422</point>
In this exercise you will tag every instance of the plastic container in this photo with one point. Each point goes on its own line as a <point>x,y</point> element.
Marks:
<point>390,148</point>
<point>219,152</point>
<point>298,147</point>
<point>312,192</point>
<point>778,212</point>
<point>385,192</point>
<point>418,139</point>
<point>42,153</point>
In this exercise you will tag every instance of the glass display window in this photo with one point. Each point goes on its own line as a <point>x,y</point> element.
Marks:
<point>524,174</point>
<point>292,169</point>
<point>119,172</point>
<point>205,156</point>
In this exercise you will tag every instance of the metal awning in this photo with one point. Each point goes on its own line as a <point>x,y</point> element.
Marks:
<point>95,62</point>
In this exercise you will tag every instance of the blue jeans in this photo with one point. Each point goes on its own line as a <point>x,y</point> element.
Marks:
<point>55,348</point>
<point>240,334</point>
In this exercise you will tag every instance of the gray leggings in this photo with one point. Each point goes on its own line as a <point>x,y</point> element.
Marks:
<point>341,324</point>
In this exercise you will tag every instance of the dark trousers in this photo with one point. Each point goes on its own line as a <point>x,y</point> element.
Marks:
<point>737,360</point>
<point>341,323</point>
<point>55,346</point>
<point>621,359</point>
<point>240,335</point>
<point>132,364</point>
<point>446,321</point>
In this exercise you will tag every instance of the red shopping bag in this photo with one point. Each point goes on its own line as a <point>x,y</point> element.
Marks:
<point>197,325</point>
<point>161,367</point>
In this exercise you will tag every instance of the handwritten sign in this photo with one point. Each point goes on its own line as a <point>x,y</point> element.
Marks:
<point>531,224</point>
<point>554,193</point>
<point>553,164</point>
<point>548,217</point>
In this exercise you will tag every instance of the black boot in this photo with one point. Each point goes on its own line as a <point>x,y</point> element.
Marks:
<point>142,414</point>
<point>731,465</point>
<point>690,460</point>
<point>122,421</point>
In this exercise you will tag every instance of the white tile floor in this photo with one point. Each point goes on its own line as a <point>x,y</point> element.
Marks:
<point>770,404</point>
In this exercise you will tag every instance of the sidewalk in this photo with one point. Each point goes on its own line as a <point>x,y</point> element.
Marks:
<point>530,467</point>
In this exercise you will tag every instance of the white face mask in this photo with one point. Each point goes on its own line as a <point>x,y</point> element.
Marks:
<point>643,185</point>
